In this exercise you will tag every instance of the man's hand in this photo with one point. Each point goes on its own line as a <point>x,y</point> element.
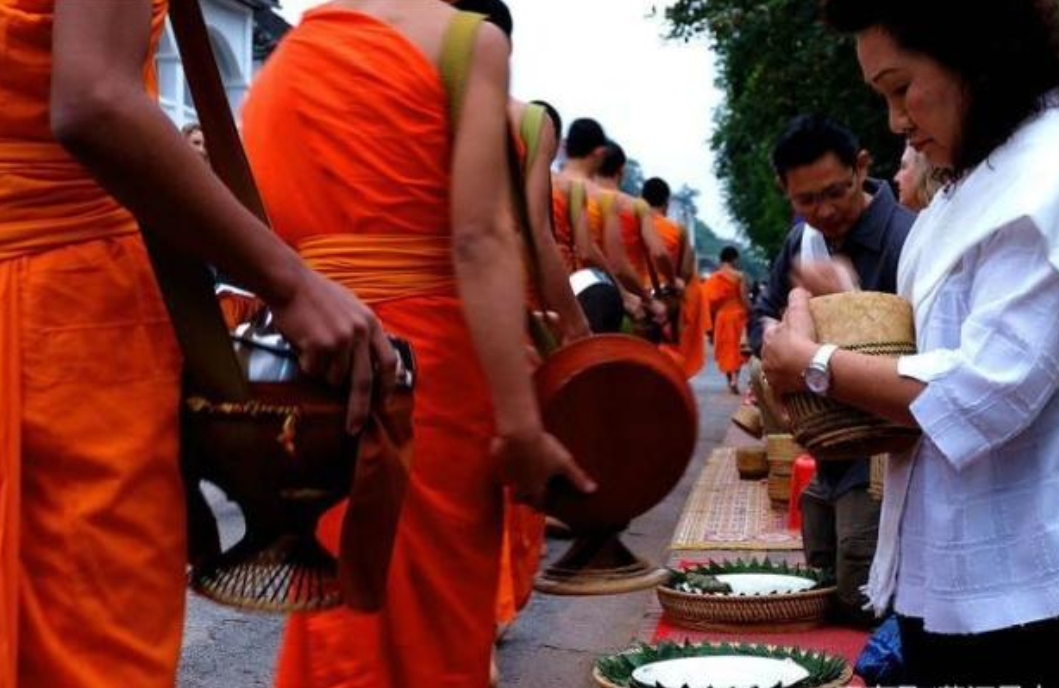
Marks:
<point>338,339</point>
<point>528,463</point>
<point>788,346</point>
<point>823,277</point>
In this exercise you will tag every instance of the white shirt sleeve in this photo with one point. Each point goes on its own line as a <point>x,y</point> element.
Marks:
<point>1006,367</point>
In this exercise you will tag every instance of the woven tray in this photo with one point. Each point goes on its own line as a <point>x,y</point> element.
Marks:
<point>747,613</point>
<point>843,678</point>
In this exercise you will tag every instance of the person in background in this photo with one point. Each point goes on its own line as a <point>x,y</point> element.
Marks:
<point>192,133</point>
<point>726,294</point>
<point>970,524</point>
<point>853,218</point>
<point>916,180</point>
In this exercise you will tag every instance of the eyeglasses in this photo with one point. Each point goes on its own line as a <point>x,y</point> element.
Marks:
<point>836,192</point>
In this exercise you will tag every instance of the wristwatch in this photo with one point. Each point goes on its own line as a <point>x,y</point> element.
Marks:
<point>817,375</point>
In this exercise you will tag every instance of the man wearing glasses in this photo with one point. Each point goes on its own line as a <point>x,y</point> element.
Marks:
<point>857,220</point>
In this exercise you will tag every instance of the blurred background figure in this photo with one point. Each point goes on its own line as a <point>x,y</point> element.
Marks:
<point>726,293</point>
<point>192,133</point>
<point>916,180</point>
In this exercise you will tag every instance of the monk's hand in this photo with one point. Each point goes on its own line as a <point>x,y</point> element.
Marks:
<point>658,311</point>
<point>822,277</point>
<point>530,460</point>
<point>788,346</point>
<point>634,305</point>
<point>338,339</point>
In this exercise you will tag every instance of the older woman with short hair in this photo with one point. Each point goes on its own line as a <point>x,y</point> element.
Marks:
<point>968,550</point>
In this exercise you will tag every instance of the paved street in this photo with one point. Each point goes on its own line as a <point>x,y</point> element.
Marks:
<point>553,643</point>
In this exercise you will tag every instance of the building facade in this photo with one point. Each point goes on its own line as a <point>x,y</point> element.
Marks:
<point>242,33</point>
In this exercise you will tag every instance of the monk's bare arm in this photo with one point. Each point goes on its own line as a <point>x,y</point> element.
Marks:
<point>490,277</point>
<point>101,112</point>
<point>488,268</point>
<point>556,282</point>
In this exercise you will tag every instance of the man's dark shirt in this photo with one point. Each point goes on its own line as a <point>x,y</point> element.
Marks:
<point>873,245</point>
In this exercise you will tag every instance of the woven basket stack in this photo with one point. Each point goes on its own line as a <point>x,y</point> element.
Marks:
<point>782,451</point>
<point>752,462</point>
<point>878,475</point>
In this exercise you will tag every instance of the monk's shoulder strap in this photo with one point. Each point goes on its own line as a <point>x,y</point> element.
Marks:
<point>457,49</point>
<point>529,131</point>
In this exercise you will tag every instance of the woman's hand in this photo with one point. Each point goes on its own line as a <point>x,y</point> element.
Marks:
<point>529,461</point>
<point>789,346</point>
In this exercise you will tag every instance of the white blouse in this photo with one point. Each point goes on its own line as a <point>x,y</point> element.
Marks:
<point>969,532</point>
<point>978,545</point>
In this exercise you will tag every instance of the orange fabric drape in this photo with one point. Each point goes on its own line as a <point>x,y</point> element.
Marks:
<point>520,558</point>
<point>363,163</point>
<point>91,500</point>
<point>724,294</point>
<point>633,241</point>
<point>564,233</point>
<point>690,351</point>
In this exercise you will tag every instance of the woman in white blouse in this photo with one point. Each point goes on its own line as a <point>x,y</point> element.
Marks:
<point>968,551</point>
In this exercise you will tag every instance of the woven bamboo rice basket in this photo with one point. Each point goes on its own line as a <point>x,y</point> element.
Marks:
<point>748,419</point>
<point>752,462</point>
<point>746,613</point>
<point>869,323</point>
<point>782,451</point>
<point>878,475</point>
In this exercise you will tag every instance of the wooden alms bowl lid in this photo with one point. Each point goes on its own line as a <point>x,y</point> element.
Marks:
<point>626,413</point>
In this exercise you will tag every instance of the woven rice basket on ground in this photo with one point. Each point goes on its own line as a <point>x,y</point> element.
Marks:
<point>782,451</point>
<point>752,462</point>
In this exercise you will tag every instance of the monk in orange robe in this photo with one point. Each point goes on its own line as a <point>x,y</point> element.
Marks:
<point>726,294</point>
<point>690,349</point>
<point>524,526</point>
<point>92,541</point>
<point>412,205</point>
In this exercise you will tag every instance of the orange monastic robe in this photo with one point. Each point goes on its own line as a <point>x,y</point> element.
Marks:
<point>358,182</point>
<point>564,231</point>
<point>92,535</point>
<point>724,294</point>
<point>632,239</point>
<point>690,351</point>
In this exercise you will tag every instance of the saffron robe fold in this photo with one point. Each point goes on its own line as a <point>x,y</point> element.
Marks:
<point>359,183</point>
<point>690,351</point>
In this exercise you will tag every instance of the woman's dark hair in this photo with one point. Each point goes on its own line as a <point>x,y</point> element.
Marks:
<point>613,160</point>
<point>807,138</point>
<point>729,254</point>
<point>1006,53</point>
<point>553,115</point>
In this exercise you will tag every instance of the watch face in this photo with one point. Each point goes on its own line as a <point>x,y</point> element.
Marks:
<point>817,380</point>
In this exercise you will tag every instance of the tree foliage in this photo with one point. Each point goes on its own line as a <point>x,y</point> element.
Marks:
<point>776,60</point>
